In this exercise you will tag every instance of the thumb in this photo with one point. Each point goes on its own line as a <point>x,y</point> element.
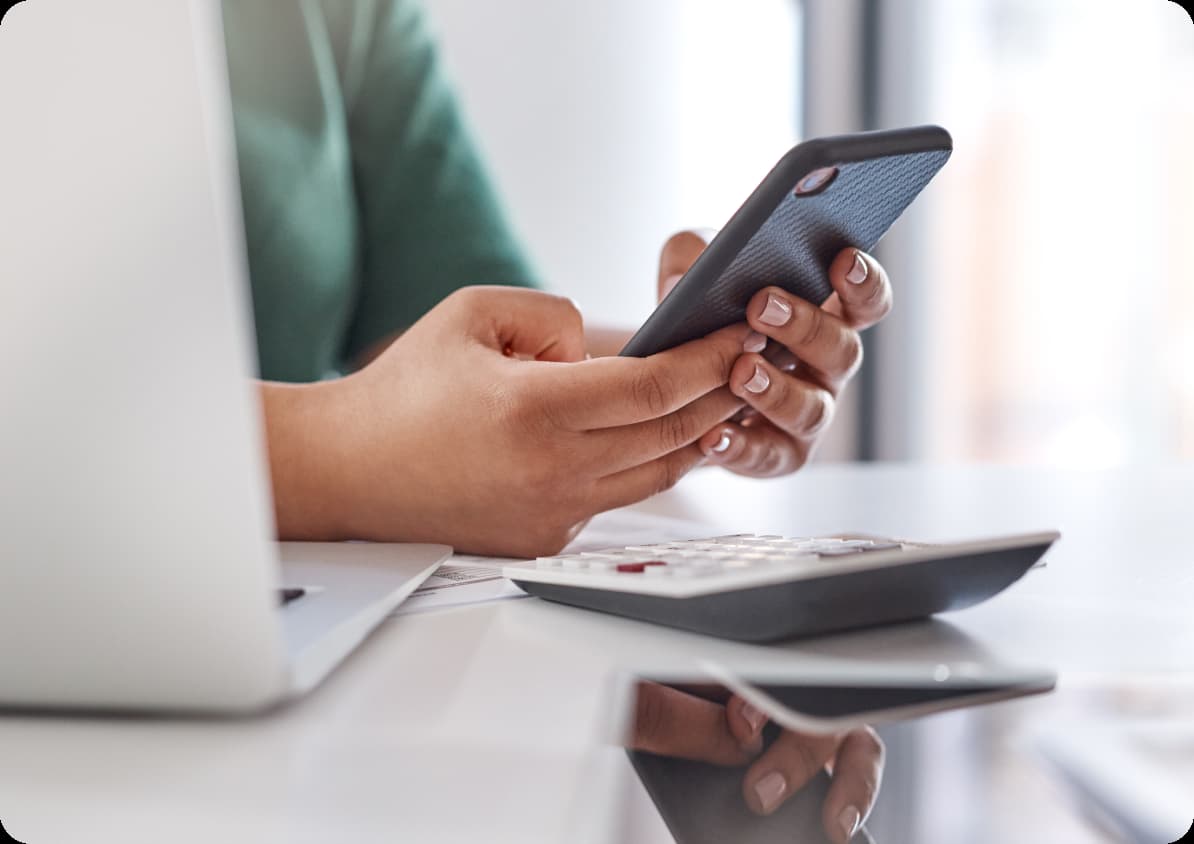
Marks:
<point>669,722</point>
<point>525,323</point>
<point>679,253</point>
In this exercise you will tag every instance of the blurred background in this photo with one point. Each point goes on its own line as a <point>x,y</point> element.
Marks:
<point>1045,309</point>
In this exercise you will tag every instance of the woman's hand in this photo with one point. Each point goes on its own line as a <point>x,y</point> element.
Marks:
<point>670,722</point>
<point>484,427</point>
<point>813,352</point>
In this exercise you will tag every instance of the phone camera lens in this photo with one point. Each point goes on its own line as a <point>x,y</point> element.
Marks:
<point>816,181</point>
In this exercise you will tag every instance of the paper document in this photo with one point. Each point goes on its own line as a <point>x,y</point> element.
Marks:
<point>465,579</point>
<point>462,580</point>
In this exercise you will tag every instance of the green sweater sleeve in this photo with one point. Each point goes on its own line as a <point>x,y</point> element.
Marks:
<point>430,221</point>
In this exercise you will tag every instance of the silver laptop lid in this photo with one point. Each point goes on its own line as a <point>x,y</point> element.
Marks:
<point>135,522</point>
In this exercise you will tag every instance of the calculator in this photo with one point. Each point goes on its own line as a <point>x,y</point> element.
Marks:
<point>765,588</point>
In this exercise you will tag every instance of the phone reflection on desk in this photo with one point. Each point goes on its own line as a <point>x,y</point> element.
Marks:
<point>1098,759</point>
<point>718,770</point>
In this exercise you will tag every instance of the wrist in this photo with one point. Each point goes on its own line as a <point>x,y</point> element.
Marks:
<point>309,434</point>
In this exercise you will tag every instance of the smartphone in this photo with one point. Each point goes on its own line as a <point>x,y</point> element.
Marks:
<point>823,196</point>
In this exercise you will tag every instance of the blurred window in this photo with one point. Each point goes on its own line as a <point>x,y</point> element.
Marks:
<point>1058,288</point>
<point>611,125</point>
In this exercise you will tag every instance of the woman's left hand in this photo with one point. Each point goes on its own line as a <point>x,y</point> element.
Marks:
<point>812,353</point>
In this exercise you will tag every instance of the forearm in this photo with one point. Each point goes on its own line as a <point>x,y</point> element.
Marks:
<point>308,446</point>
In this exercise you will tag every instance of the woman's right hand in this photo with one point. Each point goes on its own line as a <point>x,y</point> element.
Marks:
<point>724,729</point>
<point>484,427</point>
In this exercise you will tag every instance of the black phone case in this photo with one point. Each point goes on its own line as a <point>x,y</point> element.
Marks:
<point>779,238</point>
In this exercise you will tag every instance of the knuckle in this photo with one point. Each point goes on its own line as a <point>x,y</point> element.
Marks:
<point>877,301</point>
<point>649,715</point>
<point>651,391</point>
<point>879,289</point>
<point>724,356</point>
<point>819,411</point>
<point>814,322</point>
<point>676,430</point>
<point>568,308</point>
<point>852,352</point>
<point>466,297</point>
<point>799,457</point>
<point>804,761</point>
<point>872,743</point>
<point>769,461</point>
<point>778,394</point>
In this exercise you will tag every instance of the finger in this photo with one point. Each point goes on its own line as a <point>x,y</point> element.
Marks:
<point>624,447</point>
<point>745,722</point>
<point>517,321</point>
<point>820,340</point>
<point>614,391</point>
<point>754,448</point>
<point>784,768</point>
<point>666,285</point>
<point>679,253</point>
<point>863,290</point>
<point>797,407</point>
<point>857,774</point>
<point>641,482</point>
<point>671,723</point>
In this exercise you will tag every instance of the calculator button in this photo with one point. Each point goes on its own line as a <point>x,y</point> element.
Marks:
<point>548,563</point>
<point>839,552</point>
<point>638,568</point>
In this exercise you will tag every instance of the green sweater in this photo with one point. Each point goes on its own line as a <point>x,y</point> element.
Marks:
<point>365,202</point>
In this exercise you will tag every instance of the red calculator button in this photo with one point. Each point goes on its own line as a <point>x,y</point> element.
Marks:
<point>637,568</point>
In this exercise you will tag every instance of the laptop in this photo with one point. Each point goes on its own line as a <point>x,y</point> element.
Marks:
<point>137,565</point>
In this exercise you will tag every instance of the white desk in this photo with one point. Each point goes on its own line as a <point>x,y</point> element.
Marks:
<point>487,723</point>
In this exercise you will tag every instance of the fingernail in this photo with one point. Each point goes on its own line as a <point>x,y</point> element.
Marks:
<point>848,820</point>
<point>723,444</point>
<point>859,271</point>
<point>755,342</point>
<point>754,717</point>
<point>759,382</point>
<point>777,312</point>
<point>770,790</point>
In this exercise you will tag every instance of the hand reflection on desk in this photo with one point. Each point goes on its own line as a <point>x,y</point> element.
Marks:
<point>707,724</point>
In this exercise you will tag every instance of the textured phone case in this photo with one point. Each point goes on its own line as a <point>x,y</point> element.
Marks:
<point>779,238</point>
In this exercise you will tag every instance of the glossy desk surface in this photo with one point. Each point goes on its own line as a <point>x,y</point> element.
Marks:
<point>493,722</point>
